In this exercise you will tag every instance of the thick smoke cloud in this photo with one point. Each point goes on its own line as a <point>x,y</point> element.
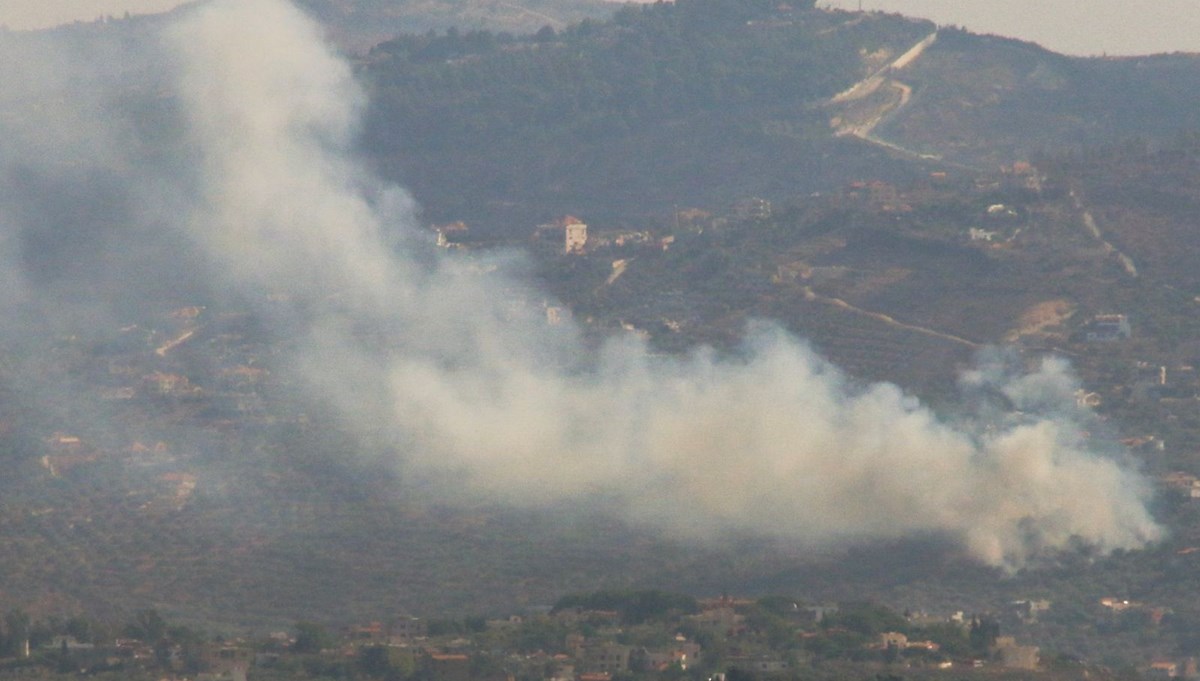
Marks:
<point>450,359</point>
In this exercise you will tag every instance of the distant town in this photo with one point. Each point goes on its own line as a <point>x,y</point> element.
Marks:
<point>600,636</point>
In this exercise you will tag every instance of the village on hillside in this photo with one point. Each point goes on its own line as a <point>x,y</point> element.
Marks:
<point>858,271</point>
<point>601,636</point>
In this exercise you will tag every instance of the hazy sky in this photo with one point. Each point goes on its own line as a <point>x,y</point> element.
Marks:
<point>1083,27</point>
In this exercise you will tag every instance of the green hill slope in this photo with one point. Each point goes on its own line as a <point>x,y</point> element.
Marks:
<point>694,103</point>
<point>257,510</point>
<point>358,25</point>
<point>988,100</point>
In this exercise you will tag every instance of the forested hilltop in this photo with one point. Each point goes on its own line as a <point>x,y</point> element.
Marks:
<point>361,24</point>
<point>986,100</point>
<point>702,102</point>
<point>698,102</point>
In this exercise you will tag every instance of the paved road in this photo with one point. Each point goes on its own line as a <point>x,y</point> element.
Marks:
<point>869,86</point>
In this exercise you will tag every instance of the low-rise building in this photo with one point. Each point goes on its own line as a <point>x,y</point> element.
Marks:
<point>448,666</point>
<point>1015,656</point>
<point>1162,670</point>
<point>1106,328</point>
<point>404,630</point>
<point>607,657</point>
<point>574,236</point>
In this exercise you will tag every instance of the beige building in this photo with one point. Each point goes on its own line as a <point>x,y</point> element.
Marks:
<point>575,237</point>
<point>1015,656</point>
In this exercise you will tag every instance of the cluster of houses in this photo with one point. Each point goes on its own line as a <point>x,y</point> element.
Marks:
<point>133,373</point>
<point>582,658</point>
<point>577,240</point>
<point>596,645</point>
<point>1185,483</point>
<point>1167,669</point>
<point>214,661</point>
<point>570,235</point>
<point>593,649</point>
<point>142,373</point>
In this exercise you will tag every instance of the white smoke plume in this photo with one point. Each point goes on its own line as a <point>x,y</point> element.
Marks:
<point>481,397</point>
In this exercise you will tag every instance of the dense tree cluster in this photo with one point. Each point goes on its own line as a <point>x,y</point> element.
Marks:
<point>634,607</point>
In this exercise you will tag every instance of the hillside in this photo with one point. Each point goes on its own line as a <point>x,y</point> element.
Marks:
<point>358,25</point>
<point>221,500</point>
<point>679,106</point>
<point>159,451</point>
<point>688,104</point>
<point>988,101</point>
<point>909,282</point>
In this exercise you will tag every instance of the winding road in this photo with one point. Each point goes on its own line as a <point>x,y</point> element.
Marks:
<point>864,129</point>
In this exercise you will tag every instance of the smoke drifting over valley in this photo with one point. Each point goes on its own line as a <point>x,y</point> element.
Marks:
<point>250,193</point>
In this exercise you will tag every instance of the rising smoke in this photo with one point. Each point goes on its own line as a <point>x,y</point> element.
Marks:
<point>263,195</point>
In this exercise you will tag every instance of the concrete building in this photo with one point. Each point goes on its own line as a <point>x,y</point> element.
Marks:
<point>1015,656</point>
<point>574,236</point>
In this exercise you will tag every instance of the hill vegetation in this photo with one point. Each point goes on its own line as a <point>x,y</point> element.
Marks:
<point>357,26</point>
<point>987,101</point>
<point>224,501</point>
<point>695,103</point>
